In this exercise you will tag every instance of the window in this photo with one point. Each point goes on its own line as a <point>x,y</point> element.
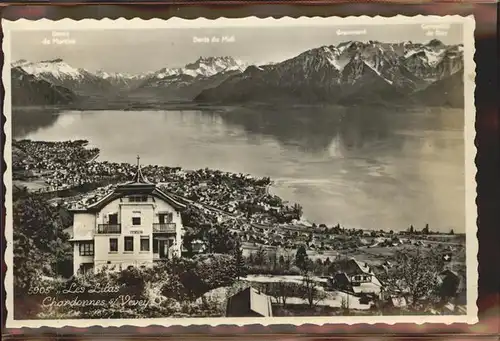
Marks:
<point>86,268</point>
<point>113,219</point>
<point>129,243</point>
<point>144,243</point>
<point>138,198</point>
<point>155,245</point>
<point>113,244</point>
<point>357,278</point>
<point>136,218</point>
<point>165,218</point>
<point>87,249</point>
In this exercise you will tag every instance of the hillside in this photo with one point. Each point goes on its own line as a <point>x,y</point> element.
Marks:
<point>447,92</point>
<point>28,90</point>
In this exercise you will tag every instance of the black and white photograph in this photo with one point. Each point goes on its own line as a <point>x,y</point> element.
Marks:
<point>243,171</point>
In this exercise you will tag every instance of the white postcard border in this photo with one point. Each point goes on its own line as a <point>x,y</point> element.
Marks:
<point>137,23</point>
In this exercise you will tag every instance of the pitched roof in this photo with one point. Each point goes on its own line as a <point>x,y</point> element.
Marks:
<point>449,272</point>
<point>253,300</point>
<point>353,267</point>
<point>138,185</point>
<point>125,190</point>
<point>260,303</point>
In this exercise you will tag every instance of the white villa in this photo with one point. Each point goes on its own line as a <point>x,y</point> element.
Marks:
<point>134,225</point>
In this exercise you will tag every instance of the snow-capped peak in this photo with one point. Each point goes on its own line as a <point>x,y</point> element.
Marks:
<point>209,66</point>
<point>103,74</point>
<point>56,68</point>
<point>165,72</point>
<point>430,56</point>
<point>19,62</point>
<point>317,58</point>
<point>204,67</point>
<point>344,46</point>
<point>119,75</point>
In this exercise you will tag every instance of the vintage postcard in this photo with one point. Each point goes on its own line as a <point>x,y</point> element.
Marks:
<point>240,171</point>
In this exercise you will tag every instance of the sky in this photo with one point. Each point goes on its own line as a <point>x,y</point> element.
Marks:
<point>144,50</point>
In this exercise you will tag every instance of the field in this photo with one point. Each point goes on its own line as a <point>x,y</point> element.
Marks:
<point>376,255</point>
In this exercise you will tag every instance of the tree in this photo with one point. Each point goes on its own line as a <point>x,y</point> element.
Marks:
<point>216,270</point>
<point>318,266</point>
<point>452,232</point>
<point>301,258</point>
<point>310,292</point>
<point>250,259</point>
<point>187,241</point>
<point>239,260</point>
<point>297,210</point>
<point>344,305</point>
<point>310,237</point>
<point>273,259</point>
<point>426,230</point>
<point>198,225</point>
<point>219,239</point>
<point>40,244</point>
<point>412,229</point>
<point>260,256</point>
<point>194,218</point>
<point>281,291</point>
<point>281,260</point>
<point>27,261</point>
<point>415,276</point>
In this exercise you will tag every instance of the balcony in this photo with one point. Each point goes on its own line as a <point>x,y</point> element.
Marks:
<point>109,228</point>
<point>164,228</point>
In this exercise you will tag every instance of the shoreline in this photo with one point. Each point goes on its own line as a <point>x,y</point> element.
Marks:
<point>188,105</point>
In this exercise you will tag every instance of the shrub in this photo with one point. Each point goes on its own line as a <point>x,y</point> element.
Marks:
<point>198,276</point>
<point>216,270</point>
<point>133,280</point>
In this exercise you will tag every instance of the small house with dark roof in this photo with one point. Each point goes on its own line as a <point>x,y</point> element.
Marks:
<point>450,284</point>
<point>134,225</point>
<point>357,277</point>
<point>249,303</point>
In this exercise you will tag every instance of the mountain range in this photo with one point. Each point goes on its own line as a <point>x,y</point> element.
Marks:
<point>348,73</point>
<point>186,83</point>
<point>29,90</point>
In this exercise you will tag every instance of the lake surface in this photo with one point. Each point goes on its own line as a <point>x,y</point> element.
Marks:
<point>362,167</point>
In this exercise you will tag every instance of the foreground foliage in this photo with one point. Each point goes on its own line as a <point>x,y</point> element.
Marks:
<point>172,288</point>
<point>41,246</point>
